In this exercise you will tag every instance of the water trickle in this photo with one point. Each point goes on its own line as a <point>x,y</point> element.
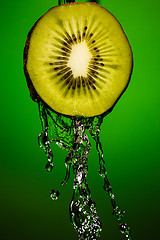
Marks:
<point>70,134</point>
<point>49,167</point>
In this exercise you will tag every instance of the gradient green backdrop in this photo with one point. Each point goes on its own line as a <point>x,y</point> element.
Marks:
<point>130,136</point>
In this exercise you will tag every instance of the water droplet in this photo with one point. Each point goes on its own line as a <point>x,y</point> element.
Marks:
<point>49,167</point>
<point>124,228</point>
<point>54,194</point>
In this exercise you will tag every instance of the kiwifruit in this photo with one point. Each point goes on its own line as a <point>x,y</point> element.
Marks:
<point>77,59</point>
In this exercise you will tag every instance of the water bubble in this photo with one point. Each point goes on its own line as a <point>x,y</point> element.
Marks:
<point>54,194</point>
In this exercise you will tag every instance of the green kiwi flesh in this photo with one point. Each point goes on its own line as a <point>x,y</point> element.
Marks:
<point>77,59</point>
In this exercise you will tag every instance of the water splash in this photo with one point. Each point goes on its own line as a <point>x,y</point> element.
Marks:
<point>71,135</point>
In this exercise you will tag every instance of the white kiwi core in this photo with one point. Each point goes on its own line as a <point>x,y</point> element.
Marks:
<point>79,59</point>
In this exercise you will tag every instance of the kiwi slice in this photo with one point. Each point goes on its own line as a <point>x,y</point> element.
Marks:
<point>78,59</point>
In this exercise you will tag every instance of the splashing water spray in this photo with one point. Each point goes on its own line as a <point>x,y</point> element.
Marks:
<point>77,62</point>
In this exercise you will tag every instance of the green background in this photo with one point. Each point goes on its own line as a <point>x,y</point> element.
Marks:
<point>130,136</point>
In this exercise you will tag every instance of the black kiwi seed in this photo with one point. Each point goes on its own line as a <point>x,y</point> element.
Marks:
<point>73,87</point>
<point>68,80</point>
<point>56,68</point>
<point>94,72</point>
<point>68,40</point>
<point>61,58</point>
<point>83,82</point>
<point>64,54</point>
<point>65,43</point>
<point>68,88</point>
<point>64,81</point>
<point>95,67</point>
<point>65,49</point>
<point>92,86</point>
<point>69,73</point>
<point>74,37</point>
<point>62,71</point>
<point>79,36</point>
<point>84,85</point>
<point>93,41</point>
<point>102,64</point>
<point>85,28</point>
<point>59,68</point>
<point>70,83</point>
<point>91,79</point>
<point>88,86</point>
<point>95,62</point>
<point>60,63</point>
<point>78,82</point>
<point>66,33</point>
<point>74,84</point>
<point>50,63</point>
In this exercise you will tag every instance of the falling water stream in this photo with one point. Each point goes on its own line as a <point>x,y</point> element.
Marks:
<point>71,135</point>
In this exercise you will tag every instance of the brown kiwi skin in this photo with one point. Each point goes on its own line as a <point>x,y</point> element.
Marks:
<point>33,93</point>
